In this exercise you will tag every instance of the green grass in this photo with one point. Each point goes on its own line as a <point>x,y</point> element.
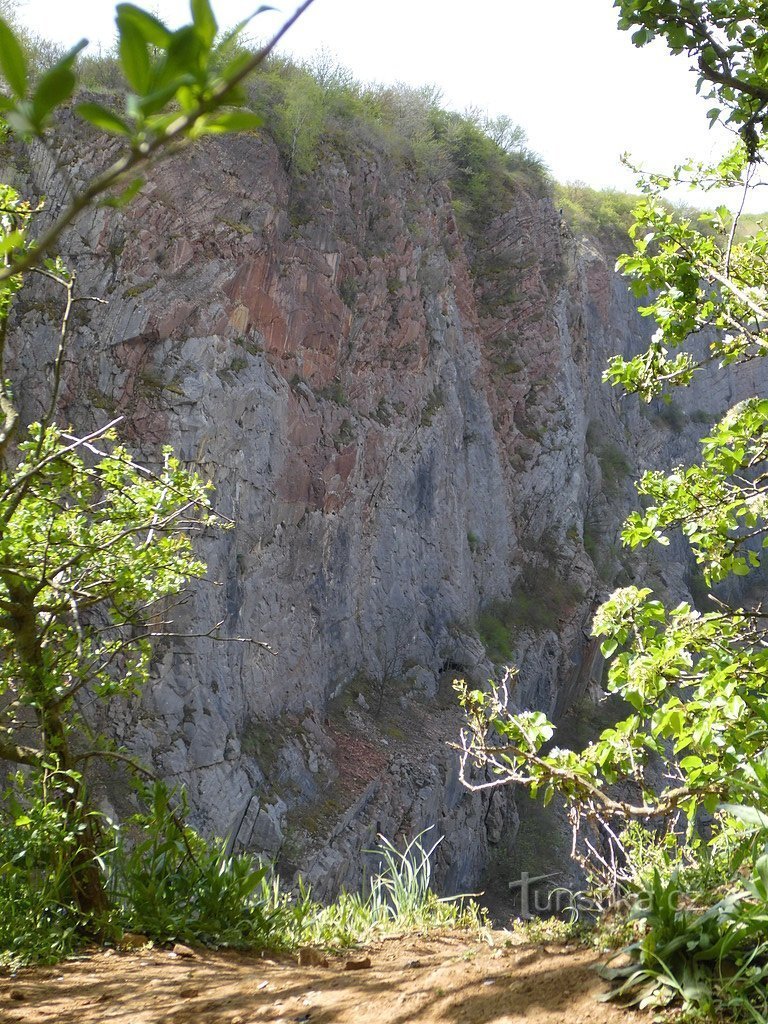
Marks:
<point>397,898</point>
<point>537,603</point>
<point>168,883</point>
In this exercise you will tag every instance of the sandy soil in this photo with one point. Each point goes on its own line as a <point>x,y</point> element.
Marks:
<point>449,978</point>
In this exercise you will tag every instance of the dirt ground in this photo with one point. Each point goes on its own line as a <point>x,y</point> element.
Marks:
<point>448,978</point>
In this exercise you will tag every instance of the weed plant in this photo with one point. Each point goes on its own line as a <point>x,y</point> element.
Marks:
<point>168,883</point>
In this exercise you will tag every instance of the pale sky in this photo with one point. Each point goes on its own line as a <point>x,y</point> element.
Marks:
<point>560,68</point>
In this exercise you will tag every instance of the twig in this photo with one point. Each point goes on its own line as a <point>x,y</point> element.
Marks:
<point>144,152</point>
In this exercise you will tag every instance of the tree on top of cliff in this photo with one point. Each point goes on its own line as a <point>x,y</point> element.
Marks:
<point>696,682</point>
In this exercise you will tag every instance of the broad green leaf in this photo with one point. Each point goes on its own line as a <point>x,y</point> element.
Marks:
<point>54,88</point>
<point>233,121</point>
<point>21,119</point>
<point>204,21</point>
<point>156,100</point>
<point>152,30</point>
<point>134,53</point>
<point>749,815</point>
<point>103,118</point>
<point>13,62</point>
<point>691,762</point>
<point>11,241</point>
<point>184,52</point>
<point>607,647</point>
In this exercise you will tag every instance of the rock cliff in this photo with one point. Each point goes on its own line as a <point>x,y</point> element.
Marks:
<point>426,474</point>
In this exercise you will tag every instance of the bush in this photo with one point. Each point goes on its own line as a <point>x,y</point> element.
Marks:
<point>604,214</point>
<point>700,914</point>
<point>39,838</point>
<point>164,880</point>
<point>496,637</point>
<point>537,603</point>
<point>307,106</point>
<point>170,884</point>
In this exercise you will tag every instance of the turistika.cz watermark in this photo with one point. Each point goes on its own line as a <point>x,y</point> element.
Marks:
<point>537,898</point>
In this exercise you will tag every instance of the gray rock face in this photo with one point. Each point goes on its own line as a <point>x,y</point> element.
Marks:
<point>402,449</point>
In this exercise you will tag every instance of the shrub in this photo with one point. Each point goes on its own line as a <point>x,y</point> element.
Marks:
<point>39,920</point>
<point>496,637</point>
<point>537,603</point>
<point>604,214</point>
<point>311,105</point>
<point>170,884</point>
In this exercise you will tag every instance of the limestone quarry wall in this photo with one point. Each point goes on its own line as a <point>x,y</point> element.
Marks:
<point>409,431</point>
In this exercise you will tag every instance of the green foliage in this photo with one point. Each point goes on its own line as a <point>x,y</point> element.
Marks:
<point>160,66</point>
<point>169,884</point>
<point>694,279</point>
<point>700,917</point>
<point>538,601</point>
<point>315,106</point>
<point>91,543</point>
<point>496,637</point>
<point>482,174</point>
<point>604,214</point>
<point>173,886</point>
<point>720,512</point>
<point>39,839</point>
<point>398,897</point>
<point>696,681</point>
<point>726,38</point>
<point>80,536</point>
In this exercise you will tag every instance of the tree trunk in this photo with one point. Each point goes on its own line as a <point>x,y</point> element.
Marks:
<point>69,792</point>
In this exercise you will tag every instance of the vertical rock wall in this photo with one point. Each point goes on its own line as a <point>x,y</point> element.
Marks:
<point>409,432</point>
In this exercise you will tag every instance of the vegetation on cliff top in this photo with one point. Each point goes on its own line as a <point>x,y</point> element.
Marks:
<point>315,109</point>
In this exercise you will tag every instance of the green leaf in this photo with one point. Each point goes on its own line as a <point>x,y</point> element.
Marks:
<point>22,820</point>
<point>607,647</point>
<point>55,87</point>
<point>152,30</point>
<point>134,52</point>
<point>20,119</point>
<point>11,241</point>
<point>761,870</point>
<point>156,100</point>
<point>183,53</point>
<point>13,62</point>
<point>691,762</point>
<point>204,21</point>
<point>103,118</point>
<point>124,197</point>
<point>233,121</point>
<point>749,815</point>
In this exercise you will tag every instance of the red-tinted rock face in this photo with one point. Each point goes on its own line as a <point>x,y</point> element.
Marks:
<point>408,431</point>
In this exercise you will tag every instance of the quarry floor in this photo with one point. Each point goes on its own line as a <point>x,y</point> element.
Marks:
<point>437,978</point>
